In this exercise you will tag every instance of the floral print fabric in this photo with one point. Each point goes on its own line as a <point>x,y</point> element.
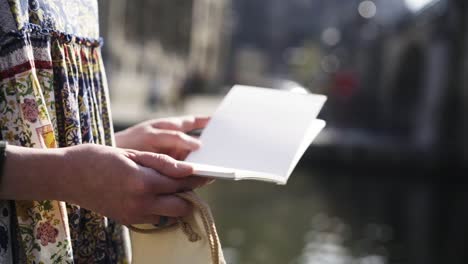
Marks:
<point>77,17</point>
<point>53,93</point>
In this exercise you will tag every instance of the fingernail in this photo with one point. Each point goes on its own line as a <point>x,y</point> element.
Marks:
<point>184,166</point>
<point>194,143</point>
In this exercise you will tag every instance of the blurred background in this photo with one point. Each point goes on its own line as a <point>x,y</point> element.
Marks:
<point>383,183</point>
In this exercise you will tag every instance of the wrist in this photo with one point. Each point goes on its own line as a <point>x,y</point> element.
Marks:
<point>121,139</point>
<point>130,138</point>
<point>32,174</point>
<point>79,162</point>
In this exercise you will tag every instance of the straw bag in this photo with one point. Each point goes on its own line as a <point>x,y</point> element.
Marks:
<point>193,240</point>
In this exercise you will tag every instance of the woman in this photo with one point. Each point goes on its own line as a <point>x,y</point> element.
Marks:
<point>53,100</point>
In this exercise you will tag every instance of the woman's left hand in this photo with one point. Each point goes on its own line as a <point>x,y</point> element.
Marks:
<point>167,136</point>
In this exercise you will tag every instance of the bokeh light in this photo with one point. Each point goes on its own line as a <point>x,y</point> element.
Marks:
<point>331,36</point>
<point>416,5</point>
<point>367,9</point>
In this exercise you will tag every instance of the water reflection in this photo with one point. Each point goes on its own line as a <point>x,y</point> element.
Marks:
<point>326,218</point>
<point>330,241</point>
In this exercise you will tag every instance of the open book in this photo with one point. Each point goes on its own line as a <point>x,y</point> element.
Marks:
<point>258,134</point>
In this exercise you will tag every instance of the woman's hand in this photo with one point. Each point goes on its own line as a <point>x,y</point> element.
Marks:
<point>129,186</point>
<point>167,136</point>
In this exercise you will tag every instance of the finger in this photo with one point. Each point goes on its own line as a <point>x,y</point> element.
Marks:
<point>163,164</point>
<point>179,154</point>
<point>182,155</point>
<point>170,205</point>
<point>160,184</point>
<point>184,124</point>
<point>199,122</point>
<point>173,153</point>
<point>177,140</point>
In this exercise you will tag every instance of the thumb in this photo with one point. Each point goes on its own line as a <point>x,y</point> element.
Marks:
<point>163,164</point>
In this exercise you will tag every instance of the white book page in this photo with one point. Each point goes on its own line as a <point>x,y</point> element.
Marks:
<point>313,131</point>
<point>229,173</point>
<point>260,131</point>
<point>225,173</point>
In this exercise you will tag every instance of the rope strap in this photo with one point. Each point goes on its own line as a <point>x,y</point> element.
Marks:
<point>192,236</point>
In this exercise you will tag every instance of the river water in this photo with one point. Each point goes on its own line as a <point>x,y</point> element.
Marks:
<point>340,217</point>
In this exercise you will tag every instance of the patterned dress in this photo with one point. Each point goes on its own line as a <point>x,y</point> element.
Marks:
<point>53,93</point>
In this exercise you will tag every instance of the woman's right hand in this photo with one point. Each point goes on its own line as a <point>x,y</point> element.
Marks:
<point>128,186</point>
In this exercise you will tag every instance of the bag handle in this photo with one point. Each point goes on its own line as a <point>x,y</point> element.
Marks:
<point>208,224</point>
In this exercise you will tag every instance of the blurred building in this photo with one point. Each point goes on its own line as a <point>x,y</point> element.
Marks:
<point>394,86</point>
<point>154,49</point>
<point>211,30</point>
